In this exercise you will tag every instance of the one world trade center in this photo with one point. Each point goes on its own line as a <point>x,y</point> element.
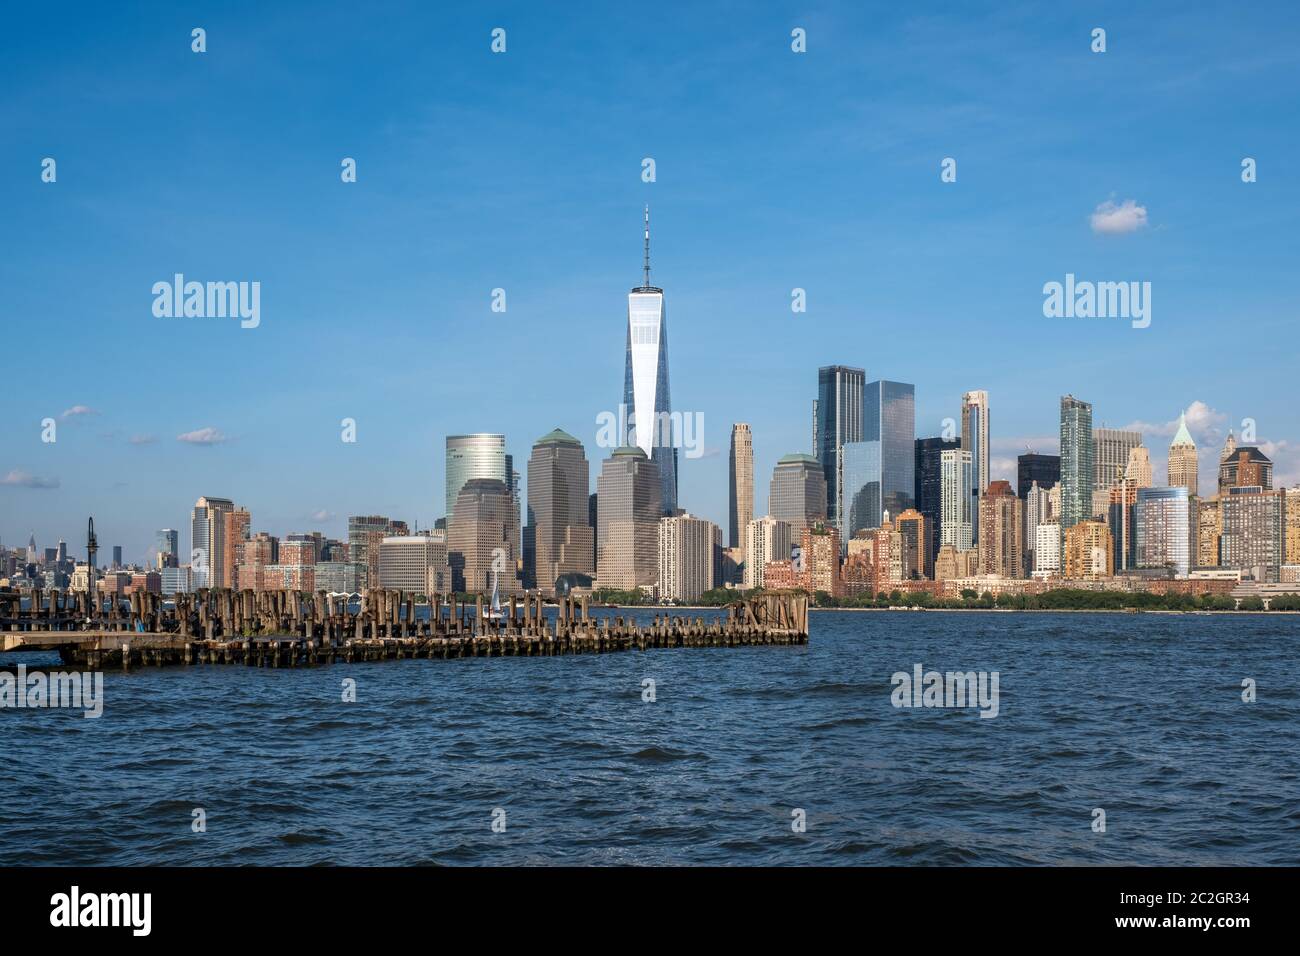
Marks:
<point>646,401</point>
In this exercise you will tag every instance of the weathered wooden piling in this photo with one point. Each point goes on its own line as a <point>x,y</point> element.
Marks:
<point>291,629</point>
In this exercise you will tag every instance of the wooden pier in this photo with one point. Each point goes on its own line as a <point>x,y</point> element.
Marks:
<point>298,628</point>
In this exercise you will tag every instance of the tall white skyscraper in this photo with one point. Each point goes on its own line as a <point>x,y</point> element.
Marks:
<point>646,395</point>
<point>956,524</point>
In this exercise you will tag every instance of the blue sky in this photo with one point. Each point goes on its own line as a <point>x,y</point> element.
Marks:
<point>521,170</point>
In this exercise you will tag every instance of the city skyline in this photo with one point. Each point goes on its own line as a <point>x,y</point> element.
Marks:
<point>358,326</point>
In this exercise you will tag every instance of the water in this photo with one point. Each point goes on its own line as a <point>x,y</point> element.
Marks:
<point>1140,715</point>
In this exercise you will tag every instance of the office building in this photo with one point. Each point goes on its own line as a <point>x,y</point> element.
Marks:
<point>627,532</point>
<point>208,539</point>
<point>741,485</point>
<point>483,539</point>
<point>481,455</point>
<point>797,494</point>
<point>1032,468</point>
<point>1182,459</point>
<point>559,540</point>
<point>1112,448</point>
<point>1163,529</point>
<point>417,563</point>
<point>838,421</point>
<point>646,396</point>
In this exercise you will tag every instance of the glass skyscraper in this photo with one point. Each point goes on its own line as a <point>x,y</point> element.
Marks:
<point>837,421</point>
<point>1076,461</point>
<point>646,399</point>
<point>879,472</point>
<point>1163,529</point>
<point>473,456</point>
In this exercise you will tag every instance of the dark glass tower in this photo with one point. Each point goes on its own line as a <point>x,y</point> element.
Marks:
<point>838,421</point>
<point>1031,467</point>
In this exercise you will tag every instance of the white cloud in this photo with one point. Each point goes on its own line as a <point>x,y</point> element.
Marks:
<point>322,515</point>
<point>143,439</point>
<point>203,436</point>
<point>77,411</point>
<point>1205,424</point>
<point>18,478</point>
<point>1116,219</point>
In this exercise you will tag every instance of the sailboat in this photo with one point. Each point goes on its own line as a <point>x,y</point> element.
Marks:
<point>494,613</point>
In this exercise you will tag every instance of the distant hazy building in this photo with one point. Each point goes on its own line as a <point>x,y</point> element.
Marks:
<point>1254,523</point>
<point>1112,448</point>
<point>117,557</point>
<point>1032,468</point>
<point>741,485</point>
<point>1138,471</point>
<point>685,557</point>
<point>1076,461</point>
<point>481,455</point>
<point>483,538</point>
<point>559,540</point>
<point>1182,459</point>
<point>837,421</point>
<point>167,545</point>
<point>1001,519</point>
<point>1164,529</point>
<point>338,577</point>
<point>768,539</point>
<point>1087,551</point>
<point>956,474</point>
<point>975,439</point>
<point>929,490</point>
<point>797,494</point>
<point>365,533</point>
<point>417,563</point>
<point>1229,449</point>
<point>176,580</point>
<point>627,534</point>
<point>208,560</point>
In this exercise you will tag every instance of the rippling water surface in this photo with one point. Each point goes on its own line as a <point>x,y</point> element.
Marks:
<point>1140,715</point>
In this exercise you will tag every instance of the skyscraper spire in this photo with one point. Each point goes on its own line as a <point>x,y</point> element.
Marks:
<point>646,284</point>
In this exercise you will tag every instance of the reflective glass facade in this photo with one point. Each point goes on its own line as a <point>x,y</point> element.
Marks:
<point>837,421</point>
<point>473,456</point>
<point>1163,529</point>
<point>646,397</point>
